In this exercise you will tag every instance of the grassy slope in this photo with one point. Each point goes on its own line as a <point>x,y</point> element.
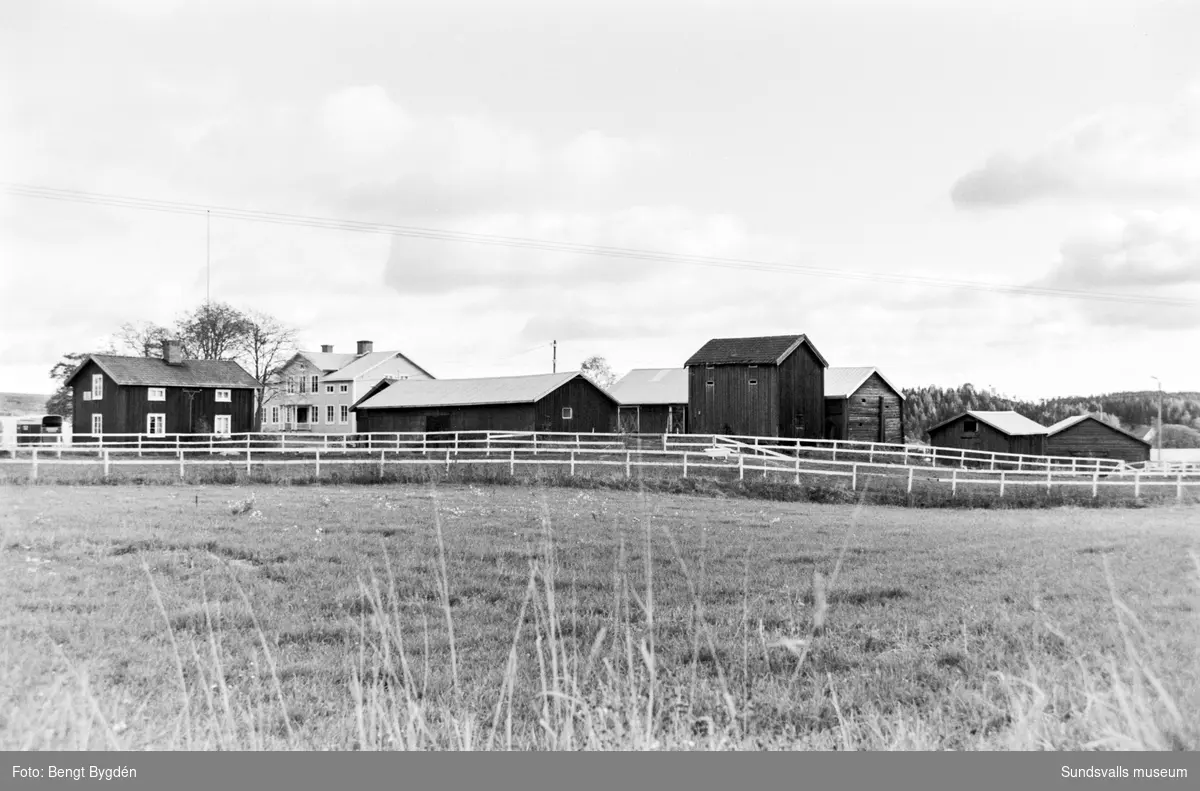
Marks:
<point>958,629</point>
<point>22,403</point>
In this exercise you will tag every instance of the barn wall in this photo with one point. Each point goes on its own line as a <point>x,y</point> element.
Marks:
<point>801,410</point>
<point>502,417</point>
<point>987,439</point>
<point>835,418</point>
<point>653,418</point>
<point>109,406</point>
<point>873,413</point>
<point>732,405</point>
<point>1095,439</point>
<point>592,410</point>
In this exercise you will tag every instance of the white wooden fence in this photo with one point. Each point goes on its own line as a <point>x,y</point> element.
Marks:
<point>770,457</point>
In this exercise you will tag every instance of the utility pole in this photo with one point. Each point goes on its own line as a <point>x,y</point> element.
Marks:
<point>554,362</point>
<point>1158,434</point>
<point>207,257</point>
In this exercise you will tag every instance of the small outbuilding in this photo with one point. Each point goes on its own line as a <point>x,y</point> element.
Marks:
<point>560,402</point>
<point>861,405</point>
<point>991,432</point>
<point>1090,437</point>
<point>653,400</point>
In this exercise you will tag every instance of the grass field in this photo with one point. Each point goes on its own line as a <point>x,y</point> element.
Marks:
<point>458,616</point>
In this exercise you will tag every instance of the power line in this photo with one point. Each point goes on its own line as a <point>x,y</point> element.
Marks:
<point>248,215</point>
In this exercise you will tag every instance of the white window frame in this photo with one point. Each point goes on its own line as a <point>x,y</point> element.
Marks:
<point>97,423</point>
<point>568,413</point>
<point>156,394</point>
<point>316,383</point>
<point>344,389</point>
<point>314,415</point>
<point>224,396</point>
<point>329,412</point>
<point>328,388</point>
<point>291,385</point>
<point>753,382</point>
<point>87,395</point>
<point>275,416</point>
<point>344,414</point>
<point>227,420</point>
<point>159,418</point>
<point>97,387</point>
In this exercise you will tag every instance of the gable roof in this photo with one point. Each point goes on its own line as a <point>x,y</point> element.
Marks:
<point>652,386</point>
<point>1075,420</point>
<point>1143,432</point>
<point>765,350</point>
<point>362,365</point>
<point>470,392</point>
<point>154,372</point>
<point>327,361</point>
<point>1006,422</point>
<point>843,382</point>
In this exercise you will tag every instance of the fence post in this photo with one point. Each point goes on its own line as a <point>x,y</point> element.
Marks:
<point>535,443</point>
<point>317,458</point>
<point>448,455</point>
<point>834,457</point>
<point>685,464</point>
<point>993,461</point>
<point>247,461</point>
<point>512,461</point>
<point>741,467</point>
<point>1137,485</point>
<point>33,472</point>
<point>933,456</point>
<point>105,463</point>
<point>424,443</point>
<point>381,453</point>
<point>572,464</point>
<point>181,465</point>
<point>487,443</point>
<point>1179,485</point>
<point>797,470</point>
<point>910,477</point>
<point>455,445</point>
<point>871,455</point>
<point>139,446</point>
<point>628,469</point>
<point>1095,484</point>
<point>1001,483</point>
<point>1048,479</point>
<point>854,477</point>
<point>954,482</point>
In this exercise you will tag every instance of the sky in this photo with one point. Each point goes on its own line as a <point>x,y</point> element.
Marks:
<point>1031,143</point>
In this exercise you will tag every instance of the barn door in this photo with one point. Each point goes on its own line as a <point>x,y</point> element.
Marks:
<point>629,419</point>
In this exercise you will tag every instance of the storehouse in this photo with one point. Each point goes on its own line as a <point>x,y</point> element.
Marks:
<point>993,432</point>
<point>768,386</point>
<point>1088,436</point>
<point>566,402</point>
<point>161,395</point>
<point>861,405</point>
<point>653,400</point>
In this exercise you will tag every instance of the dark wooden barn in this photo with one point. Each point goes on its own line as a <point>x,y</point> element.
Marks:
<point>1090,437</point>
<point>766,387</point>
<point>114,394</point>
<point>653,400</point>
<point>861,405</point>
<point>991,432</point>
<point>563,402</point>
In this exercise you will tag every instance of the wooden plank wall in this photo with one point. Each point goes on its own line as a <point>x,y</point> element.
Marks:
<point>1095,439</point>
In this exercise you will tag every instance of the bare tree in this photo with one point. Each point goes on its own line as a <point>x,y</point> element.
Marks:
<point>143,338</point>
<point>267,346</point>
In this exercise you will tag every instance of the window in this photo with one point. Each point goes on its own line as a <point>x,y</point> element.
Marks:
<point>753,381</point>
<point>709,383</point>
<point>223,396</point>
<point>345,413</point>
<point>156,424</point>
<point>328,388</point>
<point>87,395</point>
<point>97,386</point>
<point>970,426</point>
<point>344,388</point>
<point>223,424</point>
<point>97,424</point>
<point>329,414</point>
<point>315,386</point>
<point>291,385</point>
<point>275,414</point>
<point>303,384</point>
<point>314,415</point>
<point>752,366</point>
<point>156,394</point>
<point>567,413</point>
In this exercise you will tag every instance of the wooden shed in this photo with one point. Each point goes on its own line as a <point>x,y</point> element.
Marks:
<point>653,400</point>
<point>861,405</point>
<point>114,394</point>
<point>766,386</point>
<point>1090,437</point>
<point>563,402</point>
<point>991,432</point>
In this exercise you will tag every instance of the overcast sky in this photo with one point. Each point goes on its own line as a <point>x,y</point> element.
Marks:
<point>1018,142</point>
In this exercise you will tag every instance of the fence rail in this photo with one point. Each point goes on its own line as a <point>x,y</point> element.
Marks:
<point>684,453</point>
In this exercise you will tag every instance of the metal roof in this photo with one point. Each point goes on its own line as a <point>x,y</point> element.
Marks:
<point>155,372</point>
<point>1006,422</point>
<point>766,350</point>
<point>408,393</point>
<point>329,361</point>
<point>364,364</point>
<point>652,386</point>
<point>1067,423</point>
<point>843,382</point>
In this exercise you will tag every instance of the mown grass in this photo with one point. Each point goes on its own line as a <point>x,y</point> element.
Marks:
<point>439,616</point>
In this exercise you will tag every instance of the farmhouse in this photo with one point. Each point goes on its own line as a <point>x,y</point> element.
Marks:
<point>861,405</point>
<point>766,386</point>
<point>1088,436</point>
<point>315,390</point>
<point>152,395</point>
<point>653,400</point>
<point>993,432</point>
<point>566,402</point>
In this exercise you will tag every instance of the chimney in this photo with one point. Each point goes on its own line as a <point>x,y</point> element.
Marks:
<point>326,349</point>
<point>172,352</point>
<point>365,347</point>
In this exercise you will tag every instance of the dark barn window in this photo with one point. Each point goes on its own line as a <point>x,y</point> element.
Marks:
<point>970,426</point>
<point>566,413</point>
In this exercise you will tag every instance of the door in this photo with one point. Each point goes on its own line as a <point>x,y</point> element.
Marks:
<point>629,419</point>
<point>223,424</point>
<point>437,423</point>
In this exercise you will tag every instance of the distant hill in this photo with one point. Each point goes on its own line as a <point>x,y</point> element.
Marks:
<point>23,404</point>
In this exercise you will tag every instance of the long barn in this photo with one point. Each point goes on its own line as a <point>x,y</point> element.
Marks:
<point>770,386</point>
<point>994,432</point>
<point>1088,436</point>
<point>562,402</point>
<point>653,400</point>
<point>861,405</point>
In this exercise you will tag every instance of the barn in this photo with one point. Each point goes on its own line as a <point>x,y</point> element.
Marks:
<point>653,400</point>
<point>861,405</point>
<point>1090,437</point>
<point>770,386</point>
<point>114,394</point>
<point>991,432</point>
<point>561,402</point>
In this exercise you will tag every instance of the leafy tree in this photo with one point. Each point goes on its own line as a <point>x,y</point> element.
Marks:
<point>62,402</point>
<point>598,371</point>
<point>213,331</point>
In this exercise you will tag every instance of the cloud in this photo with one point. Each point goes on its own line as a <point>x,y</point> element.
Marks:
<point>1125,154</point>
